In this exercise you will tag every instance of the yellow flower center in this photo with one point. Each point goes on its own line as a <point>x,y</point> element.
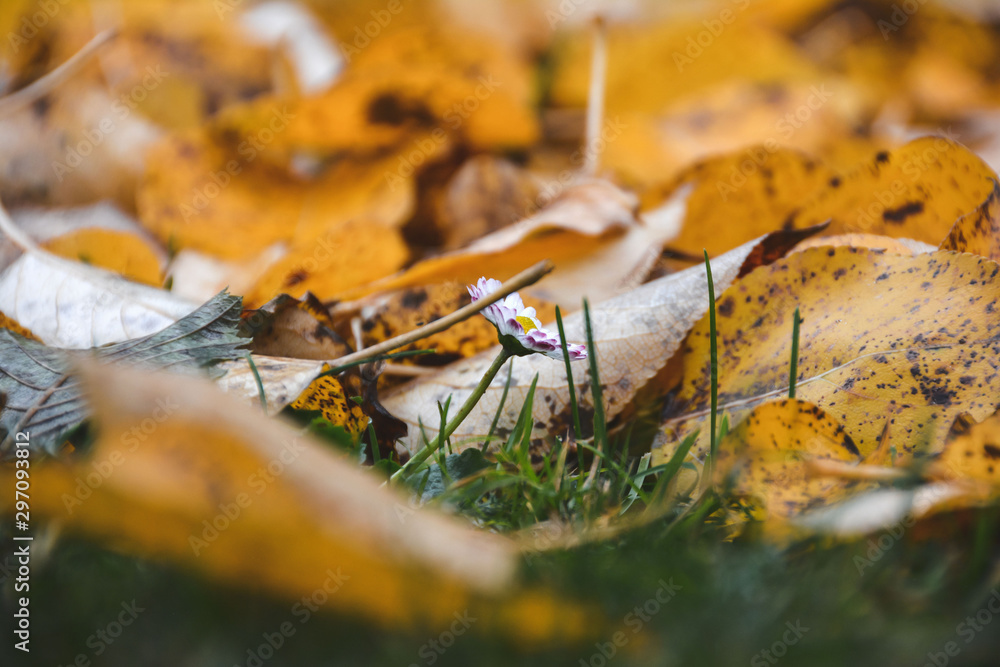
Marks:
<point>526,323</point>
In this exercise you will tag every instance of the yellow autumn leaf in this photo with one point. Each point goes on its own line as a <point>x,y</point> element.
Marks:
<point>676,64</point>
<point>316,525</point>
<point>978,231</point>
<point>971,452</point>
<point>742,195</point>
<point>764,459</point>
<point>327,395</point>
<point>223,200</point>
<point>355,253</point>
<point>127,254</point>
<point>917,191</point>
<point>903,339</point>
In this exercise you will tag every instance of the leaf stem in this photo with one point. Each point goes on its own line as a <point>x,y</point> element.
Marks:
<point>595,96</point>
<point>44,85</point>
<point>470,403</point>
<point>527,277</point>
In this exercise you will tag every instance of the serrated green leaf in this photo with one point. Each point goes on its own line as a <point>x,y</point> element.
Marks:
<point>42,396</point>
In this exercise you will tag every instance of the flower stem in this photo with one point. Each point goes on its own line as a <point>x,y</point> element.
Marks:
<point>470,403</point>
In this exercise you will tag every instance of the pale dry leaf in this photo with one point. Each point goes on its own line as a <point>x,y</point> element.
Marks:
<point>283,379</point>
<point>591,231</point>
<point>620,264</point>
<point>293,30</point>
<point>75,306</point>
<point>86,146</point>
<point>197,276</point>
<point>884,509</point>
<point>635,333</point>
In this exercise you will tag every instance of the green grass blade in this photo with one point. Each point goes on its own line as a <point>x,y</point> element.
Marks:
<point>260,383</point>
<point>569,375</point>
<point>614,465</point>
<point>600,424</point>
<point>671,468</point>
<point>793,371</point>
<point>714,356</point>
<point>376,454</point>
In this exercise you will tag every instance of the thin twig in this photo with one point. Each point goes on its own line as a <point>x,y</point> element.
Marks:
<point>523,279</point>
<point>408,371</point>
<point>41,87</point>
<point>595,101</point>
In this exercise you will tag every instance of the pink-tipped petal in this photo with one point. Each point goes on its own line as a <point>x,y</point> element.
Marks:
<point>504,316</point>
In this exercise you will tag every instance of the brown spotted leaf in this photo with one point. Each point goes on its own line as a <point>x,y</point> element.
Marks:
<point>326,394</point>
<point>765,458</point>
<point>972,451</point>
<point>978,232</point>
<point>288,327</point>
<point>911,340</point>
<point>917,191</point>
<point>352,254</point>
<point>758,187</point>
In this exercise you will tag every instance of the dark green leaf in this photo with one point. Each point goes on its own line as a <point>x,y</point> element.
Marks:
<point>42,396</point>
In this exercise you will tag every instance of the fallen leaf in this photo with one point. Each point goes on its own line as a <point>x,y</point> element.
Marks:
<point>763,458</point>
<point>222,199</point>
<point>870,241</point>
<point>326,526</point>
<point>328,396</point>
<point>917,191</point>
<point>282,379</point>
<point>978,231</point>
<point>355,253</point>
<point>288,327</point>
<point>590,231</point>
<point>917,350</point>
<point>71,305</point>
<point>484,195</point>
<point>13,325</point>
<point>971,452</point>
<point>636,334</point>
<point>45,399</point>
<point>80,145</point>
<point>395,313</point>
<point>743,51</point>
<point>759,186</point>
<point>64,227</point>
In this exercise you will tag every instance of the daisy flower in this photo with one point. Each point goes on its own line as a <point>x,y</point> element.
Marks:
<point>520,331</point>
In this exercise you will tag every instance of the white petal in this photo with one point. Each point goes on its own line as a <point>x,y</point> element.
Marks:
<point>513,301</point>
<point>530,313</point>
